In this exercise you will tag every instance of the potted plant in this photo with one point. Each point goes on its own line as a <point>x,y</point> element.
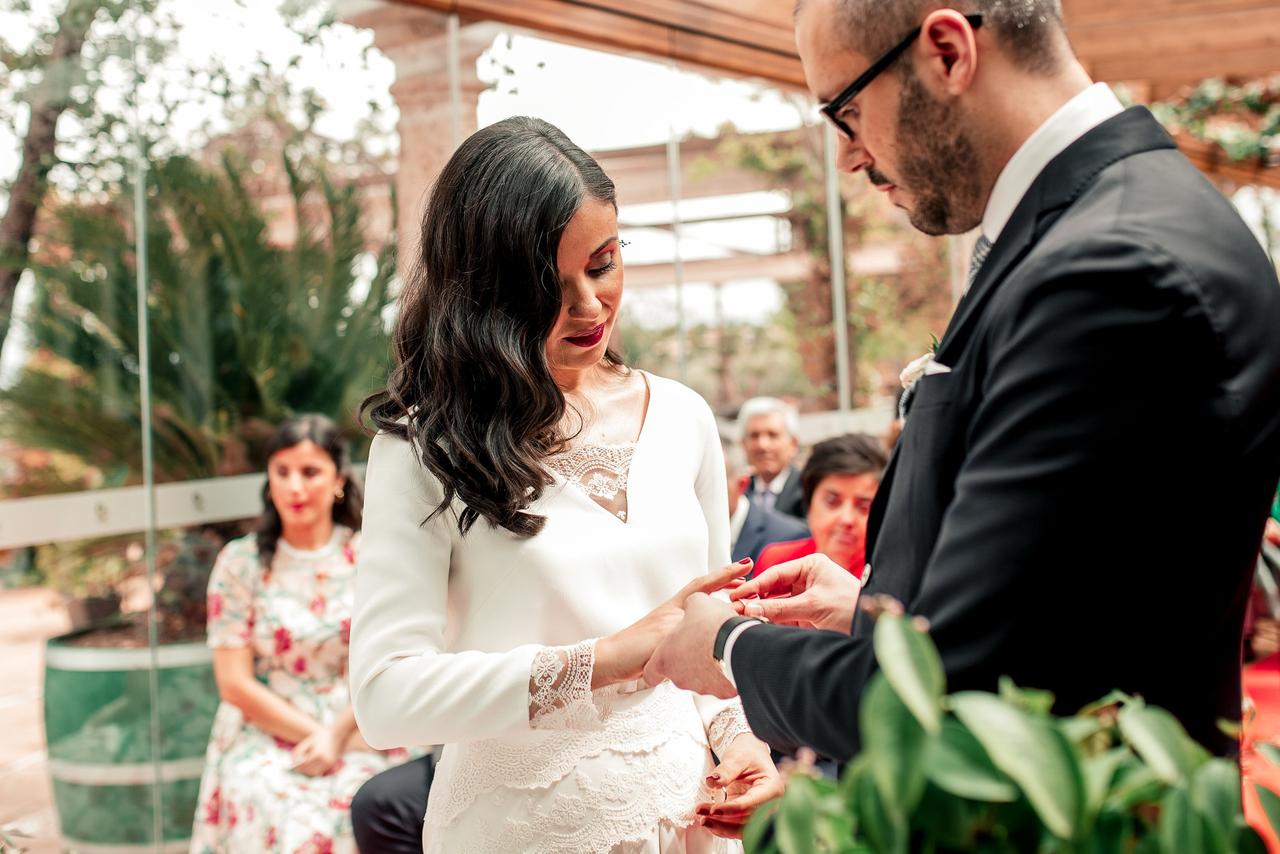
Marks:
<point>976,771</point>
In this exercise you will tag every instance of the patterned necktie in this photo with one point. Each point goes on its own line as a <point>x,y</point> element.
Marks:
<point>768,499</point>
<point>981,250</point>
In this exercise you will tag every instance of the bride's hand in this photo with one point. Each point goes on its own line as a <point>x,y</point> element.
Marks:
<point>749,779</point>
<point>621,656</point>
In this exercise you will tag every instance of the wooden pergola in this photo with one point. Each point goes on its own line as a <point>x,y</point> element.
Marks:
<point>1155,46</point>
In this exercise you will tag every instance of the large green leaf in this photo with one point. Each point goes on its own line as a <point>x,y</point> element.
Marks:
<point>1160,740</point>
<point>894,745</point>
<point>1032,700</point>
<point>1215,794</point>
<point>885,828</point>
<point>1135,784</point>
<point>1181,828</point>
<point>909,660</point>
<point>758,837</point>
<point>1033,753</point>
<point>797,816</point>
<point>956,763</point>
<point>1099,772</point>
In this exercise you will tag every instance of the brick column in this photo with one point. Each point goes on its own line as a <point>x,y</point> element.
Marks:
<point>417,42</point>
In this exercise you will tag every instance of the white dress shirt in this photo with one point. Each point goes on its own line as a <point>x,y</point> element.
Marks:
<point>1073,120</point>
<point>738,520</point>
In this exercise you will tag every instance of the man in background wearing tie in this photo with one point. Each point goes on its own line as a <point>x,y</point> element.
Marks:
<point>1119,315</point>
<point>770,432</point>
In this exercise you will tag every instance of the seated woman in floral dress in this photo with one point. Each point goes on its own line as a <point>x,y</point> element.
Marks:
<point>285,757</point>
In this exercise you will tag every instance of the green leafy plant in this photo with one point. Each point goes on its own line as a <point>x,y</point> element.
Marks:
<point>1243,120</point>
<point>245,331</point>
<point>997,772</point>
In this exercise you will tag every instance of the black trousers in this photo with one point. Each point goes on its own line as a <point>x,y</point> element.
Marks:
<point>386,814</point>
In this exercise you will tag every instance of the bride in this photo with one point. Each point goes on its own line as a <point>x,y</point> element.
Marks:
<point>536,514</point>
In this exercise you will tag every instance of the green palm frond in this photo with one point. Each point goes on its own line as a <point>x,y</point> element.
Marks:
<point>243,332</point>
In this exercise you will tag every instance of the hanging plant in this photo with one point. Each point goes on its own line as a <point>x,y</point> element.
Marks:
<point>1243,120</point>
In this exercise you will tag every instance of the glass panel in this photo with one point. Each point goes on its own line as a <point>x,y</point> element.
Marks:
<point>759,294</point>
<point>272,202</point>
<point>76,723</point>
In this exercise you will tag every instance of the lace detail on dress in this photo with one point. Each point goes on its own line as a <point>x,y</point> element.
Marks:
<point>651,749</point>
<point>560,688</point>
<point>599,470</point>
<point>729,723</point>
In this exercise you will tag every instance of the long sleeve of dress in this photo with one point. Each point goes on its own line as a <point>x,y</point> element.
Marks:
<point>406,689</point>
<point>723,719</point>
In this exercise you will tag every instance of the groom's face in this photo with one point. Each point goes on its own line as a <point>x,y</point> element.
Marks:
<point>912,145</point>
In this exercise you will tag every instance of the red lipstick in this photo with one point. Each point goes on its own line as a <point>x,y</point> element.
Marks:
<point>589,339</point>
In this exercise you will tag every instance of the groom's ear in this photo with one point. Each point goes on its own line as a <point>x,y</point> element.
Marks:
<point>945,56</point>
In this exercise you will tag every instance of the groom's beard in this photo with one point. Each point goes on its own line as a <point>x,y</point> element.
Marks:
<point>940,165</point>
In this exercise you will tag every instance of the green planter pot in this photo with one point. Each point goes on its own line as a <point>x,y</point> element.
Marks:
<point>97,716</point>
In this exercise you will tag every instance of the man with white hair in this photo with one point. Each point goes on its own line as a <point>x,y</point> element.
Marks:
<point>770,430</point>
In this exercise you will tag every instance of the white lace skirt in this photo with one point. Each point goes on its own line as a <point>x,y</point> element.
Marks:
<point>629,786</point>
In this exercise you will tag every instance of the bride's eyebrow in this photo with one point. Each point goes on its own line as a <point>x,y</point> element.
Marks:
<point>604,246</point>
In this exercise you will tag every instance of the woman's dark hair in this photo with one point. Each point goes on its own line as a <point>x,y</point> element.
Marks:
<point>852,453</point>
<point>471,387</point>
<point>347,510</point>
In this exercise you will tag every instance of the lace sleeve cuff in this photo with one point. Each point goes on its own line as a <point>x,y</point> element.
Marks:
<point>560,688</point>
<point>729,723</point>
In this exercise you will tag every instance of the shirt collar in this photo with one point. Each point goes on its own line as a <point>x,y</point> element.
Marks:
<point>776,485</point>
<point>1073,120</point>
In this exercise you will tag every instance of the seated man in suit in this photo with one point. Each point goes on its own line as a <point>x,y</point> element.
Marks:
<point>387,811</point>
<point>770,434</point>
<point>751,527</point>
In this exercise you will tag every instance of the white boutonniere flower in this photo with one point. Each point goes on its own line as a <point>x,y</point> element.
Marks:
<point>912,373</point>
<point>925,366</point>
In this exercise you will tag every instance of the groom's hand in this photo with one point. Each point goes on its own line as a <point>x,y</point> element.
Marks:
<point>685,655</point>
<point>814,592</point>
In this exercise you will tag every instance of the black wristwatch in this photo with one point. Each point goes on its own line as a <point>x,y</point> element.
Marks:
<point>726,629</point>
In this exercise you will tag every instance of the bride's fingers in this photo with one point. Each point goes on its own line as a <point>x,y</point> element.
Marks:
<point>775,581</point>
<point>724,829</point>
<point>715,580</point>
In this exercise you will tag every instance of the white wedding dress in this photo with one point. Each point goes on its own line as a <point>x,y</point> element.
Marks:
<point>484,643</point>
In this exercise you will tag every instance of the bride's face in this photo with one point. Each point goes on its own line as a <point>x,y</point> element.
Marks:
<point>590,267</point>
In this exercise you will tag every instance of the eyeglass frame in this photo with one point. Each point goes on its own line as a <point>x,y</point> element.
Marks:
<point>832,107</point>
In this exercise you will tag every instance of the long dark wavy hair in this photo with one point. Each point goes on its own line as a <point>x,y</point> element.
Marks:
<point>471,387</point>
<point>347,510</point>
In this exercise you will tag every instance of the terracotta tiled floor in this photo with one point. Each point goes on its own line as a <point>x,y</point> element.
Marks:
<point>27,618</point>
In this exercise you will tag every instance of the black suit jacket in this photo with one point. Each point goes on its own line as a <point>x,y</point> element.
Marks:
<point>763,527</point>
<point>1078,503</point>
<point>790,499</point>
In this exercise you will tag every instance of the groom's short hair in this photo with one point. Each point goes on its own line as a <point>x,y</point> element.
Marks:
<point>1030,31</point>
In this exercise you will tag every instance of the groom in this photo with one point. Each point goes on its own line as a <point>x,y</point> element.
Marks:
<point>1079,492</point>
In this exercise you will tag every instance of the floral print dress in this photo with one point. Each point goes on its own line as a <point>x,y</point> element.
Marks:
<point>297,621</point>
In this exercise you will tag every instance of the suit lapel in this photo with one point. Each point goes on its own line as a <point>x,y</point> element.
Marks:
<point>749,537</point>
<point>1055,189</point>
<point>1060,183</point>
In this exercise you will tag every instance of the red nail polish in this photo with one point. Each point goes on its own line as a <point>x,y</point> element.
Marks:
<point>744,561</point>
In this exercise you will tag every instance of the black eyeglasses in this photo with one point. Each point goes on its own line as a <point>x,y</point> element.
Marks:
<point>851,91</point>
